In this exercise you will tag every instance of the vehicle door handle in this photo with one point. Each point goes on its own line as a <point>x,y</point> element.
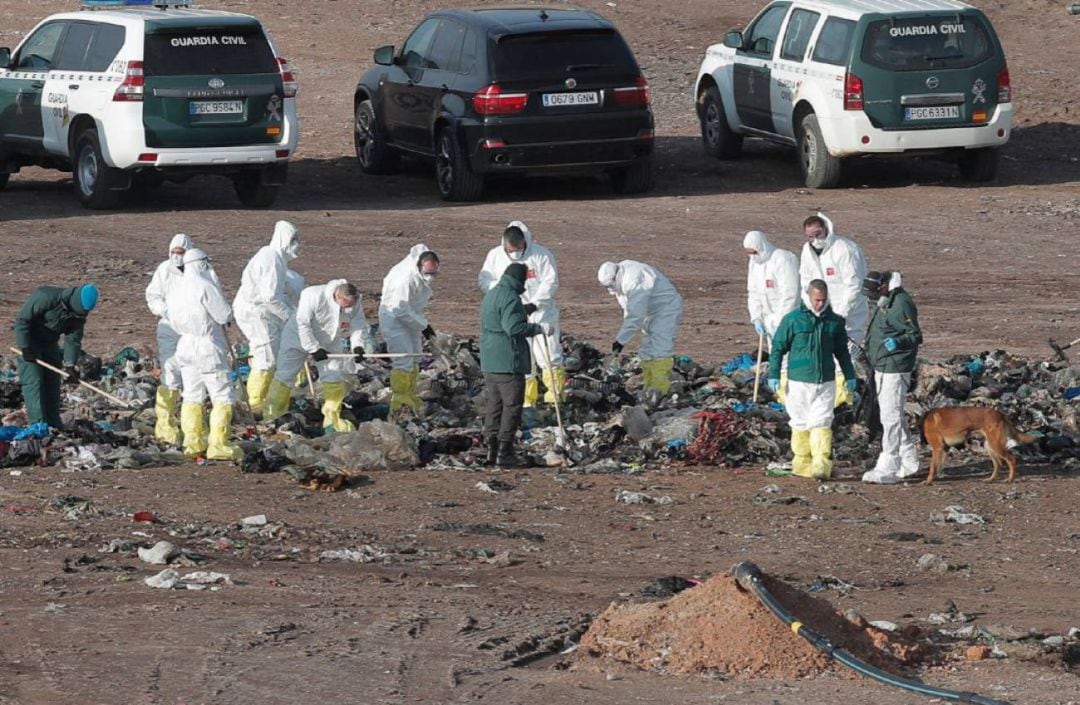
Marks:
<point>37,84</point>
<point>73,86</point>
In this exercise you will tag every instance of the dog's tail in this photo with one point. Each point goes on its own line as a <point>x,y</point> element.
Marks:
<point>1017,437</point>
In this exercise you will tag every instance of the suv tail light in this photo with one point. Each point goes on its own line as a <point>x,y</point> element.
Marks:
<point>490,100</point>
<point>635,96</point>
<point>131,88</point>
<point>853,98</point>
<point>288,81</point>
<point>1004,86</point>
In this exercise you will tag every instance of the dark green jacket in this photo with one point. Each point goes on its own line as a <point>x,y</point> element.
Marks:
<point>896,318</point>
<point>810,343</point>
<point>504,328</point>
<point>49,312</point>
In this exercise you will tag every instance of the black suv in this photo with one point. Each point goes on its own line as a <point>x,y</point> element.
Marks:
<point>507,90</point>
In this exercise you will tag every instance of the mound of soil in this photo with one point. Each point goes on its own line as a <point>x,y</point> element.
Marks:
<point>718,629</point>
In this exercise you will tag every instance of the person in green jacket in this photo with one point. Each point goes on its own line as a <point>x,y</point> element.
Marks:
<point>48,313</point>
<point>504,360</point>
<point>810,338</point>
<point>892,345</point>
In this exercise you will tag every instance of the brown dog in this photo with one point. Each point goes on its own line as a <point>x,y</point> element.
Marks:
<point>951,426</point>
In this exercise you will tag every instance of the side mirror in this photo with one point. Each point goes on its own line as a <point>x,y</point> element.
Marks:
<point>384,56</point>
<point>733,40</point>
<point>5,58</point>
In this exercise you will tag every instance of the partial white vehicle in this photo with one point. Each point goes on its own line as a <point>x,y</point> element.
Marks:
<point>844,78</point>
<point>132,96</point>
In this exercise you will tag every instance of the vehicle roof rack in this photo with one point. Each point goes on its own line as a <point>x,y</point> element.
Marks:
<point>120,4</point>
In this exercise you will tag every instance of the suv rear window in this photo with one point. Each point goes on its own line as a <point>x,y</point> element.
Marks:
<point>834,42</point>
<point>203,50</point>
<point>927,43</point>
<point>541,54</point>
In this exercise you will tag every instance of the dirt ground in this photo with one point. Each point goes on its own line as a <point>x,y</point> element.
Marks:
<point>432,620</point>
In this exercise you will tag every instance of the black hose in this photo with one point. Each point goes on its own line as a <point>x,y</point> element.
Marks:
<point>749,578</point>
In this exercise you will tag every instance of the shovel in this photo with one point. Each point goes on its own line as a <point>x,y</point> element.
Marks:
<point>1059,350</point>
<point>561,441</point>
<point>82,383</point>
<point>757,367</point>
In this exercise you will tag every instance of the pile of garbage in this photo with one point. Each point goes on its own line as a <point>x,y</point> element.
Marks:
<point>610,425</point>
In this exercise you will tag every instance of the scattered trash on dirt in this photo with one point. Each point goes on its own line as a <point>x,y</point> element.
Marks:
<point>613,429</point>
<point>170,579</point>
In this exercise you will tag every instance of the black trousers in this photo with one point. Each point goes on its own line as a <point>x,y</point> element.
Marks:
<point>505,395</point>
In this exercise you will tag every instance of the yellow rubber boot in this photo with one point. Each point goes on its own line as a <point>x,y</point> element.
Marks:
<point>843,396</point>
<point>167,427</point>
<point>333,396</point>
<point>193,424</point>
<point>403,389</point>
<point>800,446</point>
<point>821,450</point>
<point>532,391</point>
<point>301,378</point>
<point>554,379</point>
<point>258,386</point>
<point>658,374</point>
<point>277,400</point>
<point>220,430</point>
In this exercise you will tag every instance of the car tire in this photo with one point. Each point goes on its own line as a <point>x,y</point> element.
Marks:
<point>819,168</point>
<point>455,178</point>
<point>636,178</point>
<point>252,192</point>
<point>979,164</point>
<point>89,173</point>
<point>719,139</point>
<point>369,140</point>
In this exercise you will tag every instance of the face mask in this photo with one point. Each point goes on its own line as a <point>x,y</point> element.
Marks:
<point>515,255</point>
<point>294,248</point>
<point>757,258</point>
<point>818,243</point>
<point>177,260</point>
<point>611,290</point>
<point>427,277</point>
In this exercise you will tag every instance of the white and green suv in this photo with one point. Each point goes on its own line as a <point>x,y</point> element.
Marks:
<point>843,78</point>
<point>129,97</point>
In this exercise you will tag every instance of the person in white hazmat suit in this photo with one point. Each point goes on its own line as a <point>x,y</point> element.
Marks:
<point>541,285</point>
<point>406,292</point>
<point>651,306</point>
<point>329,320</point>
<point>167,400</point>
<point>262,307</point>
<point>772,283</point>
<point>198,310</point>
<point>840,263</point>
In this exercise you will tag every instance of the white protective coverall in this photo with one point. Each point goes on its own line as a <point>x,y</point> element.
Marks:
<point>167,399</point>
<point>541,285</point>
<point>842,266</point>
<point>405,295</point>
<point>650,305</point>
<point>262,306</point>
<point>197,310</point>
<point>772,282</point>
<point>319,323</point>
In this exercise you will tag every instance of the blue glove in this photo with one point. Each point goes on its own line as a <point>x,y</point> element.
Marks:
<point>850,384</point>
<point>759,327</point>
<point>774,385</point>
<point>890,344</point>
